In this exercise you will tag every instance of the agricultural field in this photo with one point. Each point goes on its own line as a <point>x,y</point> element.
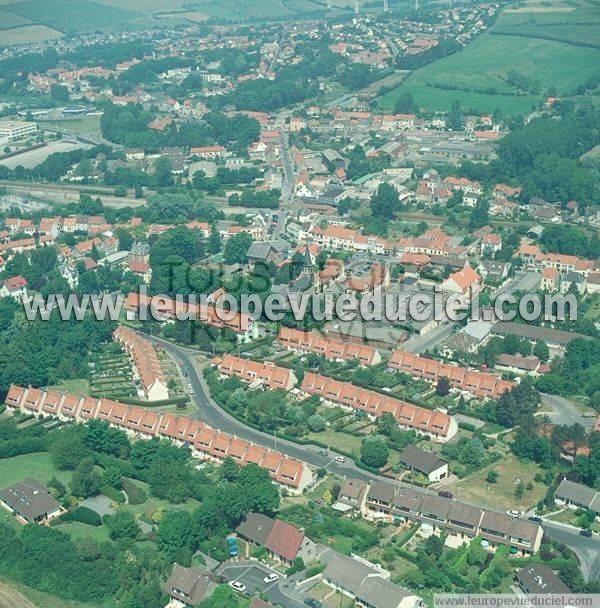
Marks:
<point>477,75</point>
<point>72,17</point>
<point>28,34</point>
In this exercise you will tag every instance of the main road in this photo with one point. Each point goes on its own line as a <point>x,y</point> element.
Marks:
<point>587,549</point>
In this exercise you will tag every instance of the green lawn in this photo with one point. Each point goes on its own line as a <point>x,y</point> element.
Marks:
<point>501,494</point>
<point>37,465</point>
<point>78,386</point>
<point>154,504</point>
<point>337,441</point>
<point>79,530</point>
<point>83,126</point>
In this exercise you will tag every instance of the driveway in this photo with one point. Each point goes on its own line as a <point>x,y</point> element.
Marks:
<point>103,506</point>
<point>251,574</point>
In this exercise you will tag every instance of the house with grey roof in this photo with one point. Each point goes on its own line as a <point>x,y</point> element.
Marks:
<point>426,463</point>
<point>30,502</point>
<point>351,497</point>
<point>369,584</point>
<point>539,579</point>
<point>189,586</point>
<point>463,520</point>
<point>577,496</point>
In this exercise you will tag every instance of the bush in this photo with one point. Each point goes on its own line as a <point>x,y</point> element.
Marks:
<point>83,515</point>
<point>135,494</point>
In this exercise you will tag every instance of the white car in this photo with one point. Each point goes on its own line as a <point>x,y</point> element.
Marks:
<point>190,387</point>
<point>191,391</point>
<point>270,578</point>
<point>341,458</point>
<point>514,513</point>
<point>237,586</point>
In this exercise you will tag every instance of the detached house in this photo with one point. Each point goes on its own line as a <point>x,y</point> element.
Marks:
<point>30,502</point>
<point>283,541</point>
<point>14,287</point>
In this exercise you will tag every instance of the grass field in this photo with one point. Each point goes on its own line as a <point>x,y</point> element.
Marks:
<point>66,16</point>
<point>501,494</point>
<point>78,386</point>
<point>25,597</point>
<point>555,64</point>
<point>28,34</point>
<point>9,20</point>
<point>84,126</point>
<point>37,465</point>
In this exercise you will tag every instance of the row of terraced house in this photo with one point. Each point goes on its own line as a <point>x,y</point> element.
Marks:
<point>206,443</point>
<point>479,384</point>
<point>437,425</point>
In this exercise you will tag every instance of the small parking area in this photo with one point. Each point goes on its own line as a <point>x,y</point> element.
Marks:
<point>249,575</point>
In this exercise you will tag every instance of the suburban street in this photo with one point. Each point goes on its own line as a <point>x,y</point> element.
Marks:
<point>587,549</point>
<point>566,412</point>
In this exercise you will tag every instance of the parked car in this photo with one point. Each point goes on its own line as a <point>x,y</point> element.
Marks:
<point>270,578</point>
<point>587,533</point>
<point>237,586</point>
<point>190,386</point>
<point>341,458</point>
<point>309,601</point>
<point>322,452</point>
<point>537,520</point>
<point>191,391</point>
<point>445,494</point>
<point>513,513</point>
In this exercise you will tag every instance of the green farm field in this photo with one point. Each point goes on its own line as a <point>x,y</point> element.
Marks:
<point>560,64</point>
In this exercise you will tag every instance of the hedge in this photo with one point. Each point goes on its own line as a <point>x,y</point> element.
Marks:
<point>113,494</point>
<point>83,515</point>
<point>135,494</point>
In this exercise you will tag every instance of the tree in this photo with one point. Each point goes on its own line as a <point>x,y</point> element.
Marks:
<point>122,524</point>
<point>316,423</point>
<point>520,490</point>
<point>374,452</point>
<point>541,351</point>
<point>405,104</point>
<point>214,240</point>
<point>455,116</point>
<point>67,448</point>
<point>385,201</point>
<point>443,386</point>
<point>492,476</point>
<point>59,93</point>
<point>175,535</point>
<point>86,481</point>
<point>236,248</point>
<point>163,175</point>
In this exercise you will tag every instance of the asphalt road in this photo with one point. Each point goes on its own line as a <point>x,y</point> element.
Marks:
<point>587,549</point>
<point>251,574</point>
<point>565,412</point>
<point>419,344</point>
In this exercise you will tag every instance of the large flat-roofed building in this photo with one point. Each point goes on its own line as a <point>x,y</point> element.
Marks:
<point>13,130</point>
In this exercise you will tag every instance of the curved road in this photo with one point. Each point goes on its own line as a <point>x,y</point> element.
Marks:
<point>587,549</point>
